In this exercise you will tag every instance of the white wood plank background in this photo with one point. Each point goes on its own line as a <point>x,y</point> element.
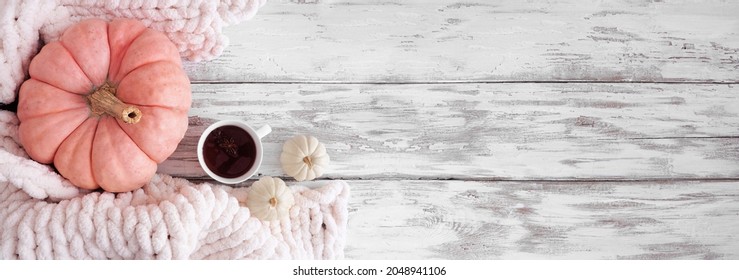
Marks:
<point>543,220</point>
<point>435,41</point>
<point>485,131</point>
<point>499,129</point>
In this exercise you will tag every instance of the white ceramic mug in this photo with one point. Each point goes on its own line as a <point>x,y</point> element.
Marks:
<point>256,136</point>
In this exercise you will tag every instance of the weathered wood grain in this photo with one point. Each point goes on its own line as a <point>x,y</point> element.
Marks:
<point>438,41</point>
<point>543,220</point>
<point>486,131</point>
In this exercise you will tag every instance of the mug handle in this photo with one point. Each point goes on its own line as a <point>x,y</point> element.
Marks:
<point>263,131</point>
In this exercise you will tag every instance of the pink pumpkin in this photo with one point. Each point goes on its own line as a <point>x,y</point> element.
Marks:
<point>105,104</point>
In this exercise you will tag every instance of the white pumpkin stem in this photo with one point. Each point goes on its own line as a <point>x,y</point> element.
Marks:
<point>103,101</point>
<point>273,201</point>
<point>308,161</point>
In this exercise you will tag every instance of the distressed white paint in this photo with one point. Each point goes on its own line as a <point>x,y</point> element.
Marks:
<point>475,131</point>
<point>543,220</point>
<point>586,132</point>
<point>436,41</point>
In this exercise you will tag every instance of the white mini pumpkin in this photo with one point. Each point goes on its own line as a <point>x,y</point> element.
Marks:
<point>304,158</point>
<point>269,199</point>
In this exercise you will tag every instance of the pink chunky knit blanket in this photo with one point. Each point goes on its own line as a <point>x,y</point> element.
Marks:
<point>43,216</point>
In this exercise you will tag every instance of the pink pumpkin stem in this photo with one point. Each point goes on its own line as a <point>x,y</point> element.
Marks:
<point>103,101</point>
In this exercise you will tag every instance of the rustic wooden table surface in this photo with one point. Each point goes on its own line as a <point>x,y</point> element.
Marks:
<point>499,129</point>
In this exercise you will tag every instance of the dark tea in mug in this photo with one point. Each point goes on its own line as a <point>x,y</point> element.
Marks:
<point>229,151</point>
